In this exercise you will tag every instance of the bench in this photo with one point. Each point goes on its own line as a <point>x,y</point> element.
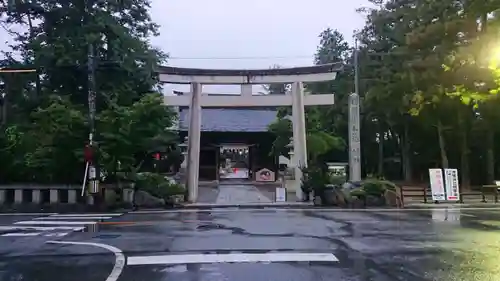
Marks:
<point>415,192</point>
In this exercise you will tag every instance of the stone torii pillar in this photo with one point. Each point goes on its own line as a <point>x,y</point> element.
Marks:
<point>194,138</point>
<point>299,159</point>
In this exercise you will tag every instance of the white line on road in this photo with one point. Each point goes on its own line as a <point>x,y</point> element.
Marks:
<point>34,222</point>
<point>119,262</point>
<point>227,258</point>
<point>41,228</point>
<point>73,218</point>
<point>88,215</point>
<point>27,214</point>
<point>18,234</point>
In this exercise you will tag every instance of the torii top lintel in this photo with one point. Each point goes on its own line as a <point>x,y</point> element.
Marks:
<point>318,73</point>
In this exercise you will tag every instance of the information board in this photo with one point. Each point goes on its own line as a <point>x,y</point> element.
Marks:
<point>437,184</point>
<point>451,180</point>
<point>280,194</point>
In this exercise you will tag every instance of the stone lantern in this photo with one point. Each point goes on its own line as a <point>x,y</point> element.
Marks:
<point>290,170</point>
<point>181,175</point>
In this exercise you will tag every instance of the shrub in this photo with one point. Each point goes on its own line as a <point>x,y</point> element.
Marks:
<point>336,180</point>
<point>158,185</point>
<point>358,192</point>
<point>376,187</point>
<point>314,178</point>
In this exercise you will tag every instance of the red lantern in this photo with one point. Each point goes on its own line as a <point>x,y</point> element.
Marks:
<point>157,156</point>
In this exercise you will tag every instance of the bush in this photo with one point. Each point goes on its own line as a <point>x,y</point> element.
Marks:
<point>314,179</point>
<point>358,192</point>
<point>376,187</point>
<point>158,185</point>
<point>336,180</point>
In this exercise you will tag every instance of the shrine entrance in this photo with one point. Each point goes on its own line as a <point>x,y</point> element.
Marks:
<point>296,98</point>
<point>234,162</point>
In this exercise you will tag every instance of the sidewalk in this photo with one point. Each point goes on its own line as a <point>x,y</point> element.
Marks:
<point>242,196</point>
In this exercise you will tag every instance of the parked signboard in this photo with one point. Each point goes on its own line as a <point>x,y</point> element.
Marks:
<point>437,184</point>
<point>452,185</point>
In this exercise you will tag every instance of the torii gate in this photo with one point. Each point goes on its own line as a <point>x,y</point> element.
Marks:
<point>246,78</point>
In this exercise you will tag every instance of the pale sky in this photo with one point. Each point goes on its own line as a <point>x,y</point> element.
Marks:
<point>266,32</point>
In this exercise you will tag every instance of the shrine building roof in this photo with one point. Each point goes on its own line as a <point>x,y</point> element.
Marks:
<point>234,119</point>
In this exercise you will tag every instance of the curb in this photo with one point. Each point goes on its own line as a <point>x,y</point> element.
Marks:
<point>453,206</point>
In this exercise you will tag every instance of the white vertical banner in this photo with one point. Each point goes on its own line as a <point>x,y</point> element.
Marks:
<point>451,180</point>
<point>437,184</point>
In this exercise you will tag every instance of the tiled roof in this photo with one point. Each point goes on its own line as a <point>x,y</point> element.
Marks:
<point>231,119</point>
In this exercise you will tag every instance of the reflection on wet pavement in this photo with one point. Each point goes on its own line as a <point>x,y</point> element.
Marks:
<point>412,245</point>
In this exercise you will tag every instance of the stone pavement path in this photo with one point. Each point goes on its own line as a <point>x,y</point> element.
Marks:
<point>240,194</point>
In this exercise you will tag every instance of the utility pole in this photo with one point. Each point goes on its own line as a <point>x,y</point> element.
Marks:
<point>91,171</point>
<point>354,126</point>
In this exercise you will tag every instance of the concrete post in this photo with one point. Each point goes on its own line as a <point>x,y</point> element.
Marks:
<point>72,196</point>
<point>299,133</point>
<point>194,138</point>
<point>2,196</point>
<point>36,196</point>
<point>246,90</point>
<point>18,196</point>
<point>54,196</point>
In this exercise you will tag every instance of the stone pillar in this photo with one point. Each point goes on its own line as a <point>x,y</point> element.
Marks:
<point>354,139</point>
<point>246,90</point>
<point>37,196</point>
<point>2,196</point>
<point>18,196</point>
<point>54,196</point>
<point>72,196</point>
<point>299,134</point>
<point>194,138</point>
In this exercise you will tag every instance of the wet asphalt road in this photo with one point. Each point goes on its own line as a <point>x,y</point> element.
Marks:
<point>409,245</point>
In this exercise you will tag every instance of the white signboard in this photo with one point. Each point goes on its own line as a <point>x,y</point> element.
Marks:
<point>437,184</point>
<point>451,179</point>
<point>280,194</point>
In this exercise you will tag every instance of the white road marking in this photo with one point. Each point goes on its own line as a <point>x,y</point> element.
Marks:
<point>120,258</point>
<point>41,228</point>
<point>57,234</point>
<point>19,234</point>
<point>88,215</point>
<point>72,218</point>
<point>34,222</point>
<point>27,214</point>
<point>227,258</point>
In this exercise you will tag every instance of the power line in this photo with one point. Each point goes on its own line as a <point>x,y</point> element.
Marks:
<point>242,58</point>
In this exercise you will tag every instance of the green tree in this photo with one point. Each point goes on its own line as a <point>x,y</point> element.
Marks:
<point>46,126</point>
